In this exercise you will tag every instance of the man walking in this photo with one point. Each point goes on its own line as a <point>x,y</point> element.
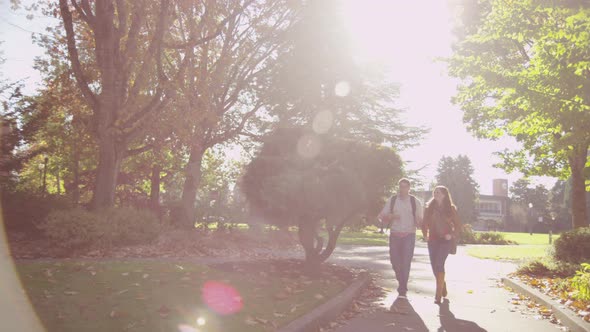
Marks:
<point>402,213</point>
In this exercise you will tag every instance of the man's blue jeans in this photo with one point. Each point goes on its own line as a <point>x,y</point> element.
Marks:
<point>401,252</point>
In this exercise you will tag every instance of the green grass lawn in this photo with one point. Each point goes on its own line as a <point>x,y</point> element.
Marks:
<point>526,238</point>
<point>366,237</point>
<point>528,246</point>
<point>508,252</point>
<point>163,295</point>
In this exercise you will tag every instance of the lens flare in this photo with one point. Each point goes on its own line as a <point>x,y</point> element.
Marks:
<point>342,89</point>
<point>201,321</point>
<point>221,298</point>
<point>322,122</point>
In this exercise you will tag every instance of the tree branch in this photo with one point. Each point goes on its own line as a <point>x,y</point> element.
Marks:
<point>87,18</point>
<point>137,151</point>
<point>195,42</point>
<point>74,57</point>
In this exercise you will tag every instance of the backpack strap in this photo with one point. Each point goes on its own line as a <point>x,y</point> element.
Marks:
<point>392,203</point>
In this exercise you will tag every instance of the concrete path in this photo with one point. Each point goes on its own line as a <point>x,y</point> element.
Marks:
<point>476,302</point>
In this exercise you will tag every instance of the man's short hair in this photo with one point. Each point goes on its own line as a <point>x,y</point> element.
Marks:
<point>404,180</point>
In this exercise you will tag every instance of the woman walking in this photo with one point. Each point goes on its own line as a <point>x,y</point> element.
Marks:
<point>441,228</point>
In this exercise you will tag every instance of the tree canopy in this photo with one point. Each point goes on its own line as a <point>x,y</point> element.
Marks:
<point>525,72</point>
<point>301,178</point>
<point>457,175</point>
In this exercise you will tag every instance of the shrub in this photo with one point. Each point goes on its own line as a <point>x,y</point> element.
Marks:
<point>491,238</point>
<point>128,226</point>
<point>22,211</point>
<point>581,283</point>
<point>535,268</point>
<point>573,246</point>
<point>467,235</point>
<point>77,228</point>
<point>548,267</point>
<point>73,228</point>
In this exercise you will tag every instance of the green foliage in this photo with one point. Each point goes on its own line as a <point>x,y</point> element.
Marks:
<point>300,177</point>
<point>72,229</point>
<point>467,235</point>
<point>525,72</point>
<point>78,228</point>
<point>535,268</point>
<point>129,226</point>
<point>491,238</point>
<point>457,175</point>
<point>22,210</point>
<point>573,246</point>
<point>581,282</point>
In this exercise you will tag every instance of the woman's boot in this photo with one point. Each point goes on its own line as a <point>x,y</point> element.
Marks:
<point>440,280</point>
<point>444,287</point>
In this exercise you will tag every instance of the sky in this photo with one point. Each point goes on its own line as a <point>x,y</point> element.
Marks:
<point>405,35</point>
<point>409,36</point>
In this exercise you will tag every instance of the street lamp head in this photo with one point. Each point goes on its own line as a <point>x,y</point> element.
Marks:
<point>530,205</point>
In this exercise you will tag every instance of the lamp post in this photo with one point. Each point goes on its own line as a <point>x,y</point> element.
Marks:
<point>530,221</point>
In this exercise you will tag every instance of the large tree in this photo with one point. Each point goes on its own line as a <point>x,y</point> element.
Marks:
<point>457,175</point>
<point>137,55</point>
<point>223,93</point>
<point>525,73</point>
<point>301,178</point>
<point>534,199</point>
<point>321,83</point>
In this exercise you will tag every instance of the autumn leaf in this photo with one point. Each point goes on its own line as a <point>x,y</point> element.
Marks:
<point>250,321</point>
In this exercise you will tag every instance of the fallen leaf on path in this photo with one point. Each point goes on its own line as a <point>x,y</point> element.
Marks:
<point>250,321</point>
<point>164,311</point>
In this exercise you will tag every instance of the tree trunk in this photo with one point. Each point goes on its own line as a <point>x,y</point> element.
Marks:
<point>109,160</point>
<point>333,233</point>
<point>192,181</point>
<point>155,190</point>
<point>76,171</point>
<point>577,163</point>
<point>312,244</point>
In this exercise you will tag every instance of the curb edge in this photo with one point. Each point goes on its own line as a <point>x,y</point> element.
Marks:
<point>568,319</point>
<point>328,310</point>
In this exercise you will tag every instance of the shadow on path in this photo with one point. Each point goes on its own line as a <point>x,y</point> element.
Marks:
<point>450,323</point>
<point>405,317</point>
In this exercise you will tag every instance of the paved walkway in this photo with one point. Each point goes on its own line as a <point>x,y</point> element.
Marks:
<point>476,303</point>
